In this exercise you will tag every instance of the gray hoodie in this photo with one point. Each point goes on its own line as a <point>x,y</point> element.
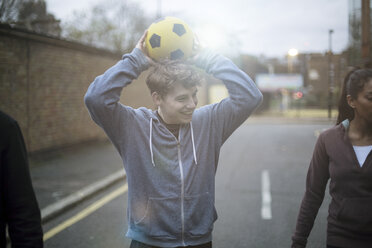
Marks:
<point>171,182</point>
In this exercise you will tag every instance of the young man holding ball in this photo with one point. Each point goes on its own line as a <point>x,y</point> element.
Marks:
<point>170,155</point>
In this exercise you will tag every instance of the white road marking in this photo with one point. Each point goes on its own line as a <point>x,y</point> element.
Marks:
<point>266,196</point>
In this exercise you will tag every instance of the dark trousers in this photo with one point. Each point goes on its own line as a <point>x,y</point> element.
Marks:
<point>330,246</point>
<point>136,244</point>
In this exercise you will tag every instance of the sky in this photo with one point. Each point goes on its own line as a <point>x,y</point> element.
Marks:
<point>257,27</point>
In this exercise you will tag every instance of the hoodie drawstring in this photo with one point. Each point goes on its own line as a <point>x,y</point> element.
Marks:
<point>192,140</point>
<point>150,141</point>
<point>193,143</point>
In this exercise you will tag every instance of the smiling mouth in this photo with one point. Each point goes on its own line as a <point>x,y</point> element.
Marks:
<point>188,113</point>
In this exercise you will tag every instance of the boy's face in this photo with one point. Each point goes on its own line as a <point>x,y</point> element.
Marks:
<point>178,105</point>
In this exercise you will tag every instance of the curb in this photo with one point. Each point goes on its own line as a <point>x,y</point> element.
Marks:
<point>289,120</point>
<point>57,208</point>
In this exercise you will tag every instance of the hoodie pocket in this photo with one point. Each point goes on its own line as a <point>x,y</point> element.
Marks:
<point>162,218</point>
<point>356,214</point>
<point>200,214</point>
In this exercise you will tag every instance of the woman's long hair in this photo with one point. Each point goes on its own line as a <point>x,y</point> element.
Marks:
<point>352,85</point>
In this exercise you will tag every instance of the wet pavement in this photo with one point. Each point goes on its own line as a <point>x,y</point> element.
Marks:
<point>61,173</point>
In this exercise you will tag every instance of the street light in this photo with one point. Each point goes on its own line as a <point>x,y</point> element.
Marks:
<point>292,53</point>
<point>330,74</point>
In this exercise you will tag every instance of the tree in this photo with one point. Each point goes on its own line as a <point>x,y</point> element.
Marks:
<point>29,14</point>
<point>9,10</point>
<point>116,26</point>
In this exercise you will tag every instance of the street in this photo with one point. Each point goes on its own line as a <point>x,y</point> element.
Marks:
<point>85,86</point>
<point>259,187</point>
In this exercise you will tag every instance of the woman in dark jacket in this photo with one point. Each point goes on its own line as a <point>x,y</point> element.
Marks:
<point>343,155</point>
<point>19,211</point>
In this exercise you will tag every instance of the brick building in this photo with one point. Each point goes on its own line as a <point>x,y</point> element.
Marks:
<point>315,69</point>
<point>43,81</point>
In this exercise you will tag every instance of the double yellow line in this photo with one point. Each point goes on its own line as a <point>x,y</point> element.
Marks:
<point>85,212</point>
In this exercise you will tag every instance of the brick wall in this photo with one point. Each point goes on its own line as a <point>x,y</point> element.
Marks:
<point>43,81</point>
<point>320,86</point>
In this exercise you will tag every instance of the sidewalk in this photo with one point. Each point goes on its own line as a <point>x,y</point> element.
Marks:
<point>267,119</point>
<point>65,177</point>
<point>295,116</point>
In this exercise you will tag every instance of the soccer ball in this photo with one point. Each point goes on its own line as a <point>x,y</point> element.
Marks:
<point>169,38</point>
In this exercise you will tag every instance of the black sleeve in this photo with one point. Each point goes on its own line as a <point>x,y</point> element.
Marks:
<point>21,209</point>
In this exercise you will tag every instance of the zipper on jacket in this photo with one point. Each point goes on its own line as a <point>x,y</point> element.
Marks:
<point>182,184</point>
<point>182,194</point>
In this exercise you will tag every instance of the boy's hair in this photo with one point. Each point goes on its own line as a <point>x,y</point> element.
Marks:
<point>168,72</point>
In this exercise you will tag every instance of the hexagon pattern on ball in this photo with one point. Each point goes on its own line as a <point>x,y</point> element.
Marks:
<point>155,41</point>
<point>179,29</point>
<point>178,54</point>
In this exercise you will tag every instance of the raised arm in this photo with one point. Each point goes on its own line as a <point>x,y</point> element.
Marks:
<point>244,96</point>
<point>103,95</point>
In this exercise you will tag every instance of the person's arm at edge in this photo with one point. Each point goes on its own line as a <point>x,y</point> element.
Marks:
<point>21,208</point>
<point>316,181</point>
